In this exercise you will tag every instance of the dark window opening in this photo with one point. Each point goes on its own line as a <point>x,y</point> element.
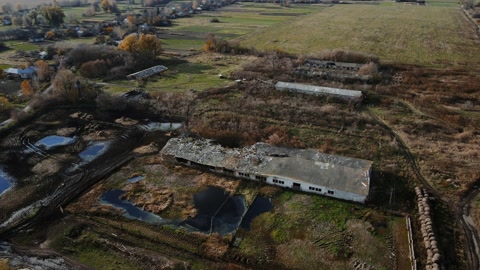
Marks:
<point>243,174</point>
<point>278,181</point>
<point>181,160</point>
<point>296,186</point>
<point>261,178</point>
<point>227,171</point>
<point>330,192</point>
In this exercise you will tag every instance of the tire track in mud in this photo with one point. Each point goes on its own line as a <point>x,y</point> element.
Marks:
<point>79,180</point>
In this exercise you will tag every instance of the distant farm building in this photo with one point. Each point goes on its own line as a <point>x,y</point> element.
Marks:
<point>336,71</point>
<point>317,90</point>
<point>332,65</point>
<point>147,72</point>
<point>300,169</point>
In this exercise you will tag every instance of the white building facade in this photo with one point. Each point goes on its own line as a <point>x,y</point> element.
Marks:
<point>304,170</point>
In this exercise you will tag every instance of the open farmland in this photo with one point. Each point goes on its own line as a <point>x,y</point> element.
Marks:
<point>398,33</point>
<point>234,21</point>
<point>418,123</point>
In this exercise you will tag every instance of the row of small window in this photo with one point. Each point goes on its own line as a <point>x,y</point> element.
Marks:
<point>278,181</point>
<point>244,174</point>
<point>261,178</point>
<point>331,192</point>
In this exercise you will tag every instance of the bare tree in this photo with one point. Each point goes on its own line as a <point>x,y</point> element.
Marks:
<point>7,8</point>
<point>64,85</point>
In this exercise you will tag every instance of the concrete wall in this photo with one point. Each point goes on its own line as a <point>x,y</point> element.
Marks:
<point>279,181</point>
<point>305,187</point>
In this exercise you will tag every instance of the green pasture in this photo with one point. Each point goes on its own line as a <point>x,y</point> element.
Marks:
<point>239,19</point>
<point>182,44</point>
<point>425,35</point>
<point>21,45</point>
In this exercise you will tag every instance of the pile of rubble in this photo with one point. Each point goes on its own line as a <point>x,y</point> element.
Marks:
<point>429,239</point>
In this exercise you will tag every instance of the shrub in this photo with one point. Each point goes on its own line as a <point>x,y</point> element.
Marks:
<point>4,104</point>
<point>368,69</point>
<point>214,20</point>
<point>345,56</point>
<point>94,69</point>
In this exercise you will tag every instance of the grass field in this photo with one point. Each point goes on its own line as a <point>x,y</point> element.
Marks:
<point>235,21</point>
<point>427,35</point>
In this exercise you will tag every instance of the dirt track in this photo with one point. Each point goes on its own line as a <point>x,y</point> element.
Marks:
<point>462,210</point>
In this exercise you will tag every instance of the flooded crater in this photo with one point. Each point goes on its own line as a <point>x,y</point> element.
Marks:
<point>217,211</point>
<point>4,182</point>
<point>53,141</point>
<point>93,150</point>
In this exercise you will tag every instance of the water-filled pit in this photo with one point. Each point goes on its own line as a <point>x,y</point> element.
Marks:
<point>218,211</point>
<point>4,182</point>
<point>135,179</point>
<point>93,150</point>
<point>52,141</point>
<point>259,206</point>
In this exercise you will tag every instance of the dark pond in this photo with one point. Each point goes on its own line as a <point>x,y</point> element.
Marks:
<point>112,197</point>
<point>217,211</point>
<point>4,182</point>
<point>93,150</point>
<point>259,206</point>
<point>49,142</point>
<point>135,179</point>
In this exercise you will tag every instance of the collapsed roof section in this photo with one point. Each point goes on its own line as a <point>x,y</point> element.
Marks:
<point>317,90</point>
<point>305,165</point>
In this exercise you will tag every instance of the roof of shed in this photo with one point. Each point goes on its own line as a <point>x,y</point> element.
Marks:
<point>314,89</point>
<point>307,165</point>
<point>148,72</point>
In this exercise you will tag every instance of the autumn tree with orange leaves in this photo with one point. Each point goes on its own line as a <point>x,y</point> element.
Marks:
<point>148,46</point>
<point>27,89</point>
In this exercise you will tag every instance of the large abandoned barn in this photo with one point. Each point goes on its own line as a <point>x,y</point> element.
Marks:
<point>300,169</point>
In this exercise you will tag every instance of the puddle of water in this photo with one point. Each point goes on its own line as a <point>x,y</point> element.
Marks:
<point>4,182</point>
<point>50,142</point>
<point>135,179</point>
<point>163,126</point>
<point>112,197</point>
<point>217,211</point>
<point>259,206</point>
<point>93,151</point>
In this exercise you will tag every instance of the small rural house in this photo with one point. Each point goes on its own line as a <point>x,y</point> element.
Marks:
<point>318,90</point>
<point>26,73</point>
<point>300,169</point>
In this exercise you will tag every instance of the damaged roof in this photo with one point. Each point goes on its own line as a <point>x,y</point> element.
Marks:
<point>306,165</point>
<point>317,90</point>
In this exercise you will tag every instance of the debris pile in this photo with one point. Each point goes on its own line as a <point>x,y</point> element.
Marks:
<point>429,239</point>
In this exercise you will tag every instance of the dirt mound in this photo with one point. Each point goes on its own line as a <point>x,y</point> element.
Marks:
<point>147,149</point>
<point>126,121</point>
<point>149,198</point>
<point>48,167</point>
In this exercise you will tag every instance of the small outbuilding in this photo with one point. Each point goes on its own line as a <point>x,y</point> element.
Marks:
<point>26,73</point>
<point>147,72</point>
<point>305,170</point>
